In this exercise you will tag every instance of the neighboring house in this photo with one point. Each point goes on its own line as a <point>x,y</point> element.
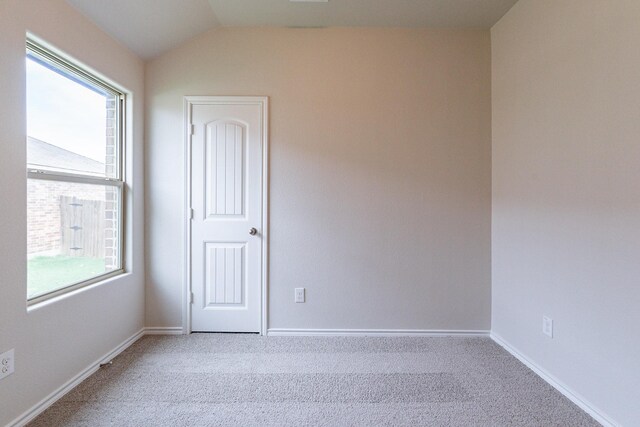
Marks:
<point>44,234</point>
<point>42,153</point>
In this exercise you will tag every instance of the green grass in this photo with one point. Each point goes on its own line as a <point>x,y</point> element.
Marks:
<point>48,273</point>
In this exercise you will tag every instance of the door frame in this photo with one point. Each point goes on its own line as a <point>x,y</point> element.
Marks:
<point>189,102</point>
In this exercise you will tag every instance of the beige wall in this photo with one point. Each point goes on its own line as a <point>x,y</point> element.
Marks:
<point>380,172</point>
<point>58,340</point>
<point>566,194</point>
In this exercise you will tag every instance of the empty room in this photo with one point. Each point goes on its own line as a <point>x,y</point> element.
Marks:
<point>320,212</point>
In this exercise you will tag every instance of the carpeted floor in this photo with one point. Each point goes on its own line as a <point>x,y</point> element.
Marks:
<point>249,380</point>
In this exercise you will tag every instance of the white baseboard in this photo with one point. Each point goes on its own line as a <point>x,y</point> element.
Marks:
<point>580,401</point>
<point>274,332</point>
<point>41,406</point>
<point>163,330</point>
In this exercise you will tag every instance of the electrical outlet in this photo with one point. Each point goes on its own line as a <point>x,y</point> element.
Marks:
<point>299,295</point>
<point>547,326</point>
<point>6,364</point>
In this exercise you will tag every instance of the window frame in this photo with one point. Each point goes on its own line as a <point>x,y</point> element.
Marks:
<point>42,54</point>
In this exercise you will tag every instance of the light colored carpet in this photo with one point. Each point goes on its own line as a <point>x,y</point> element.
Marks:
<point>249,380</point>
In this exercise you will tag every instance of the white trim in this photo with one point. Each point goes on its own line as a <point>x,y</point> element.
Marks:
<point>52,398</point>
<point>265,214</point>
<point>576,398</point>
<point>163,330</point>
<point>275,332</point>
<point>190,101</point>
<point>186,284</point>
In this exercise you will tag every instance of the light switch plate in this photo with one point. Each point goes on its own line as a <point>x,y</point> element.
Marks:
<point>547,326</point>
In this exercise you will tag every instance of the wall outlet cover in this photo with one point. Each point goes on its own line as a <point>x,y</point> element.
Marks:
<point>299,295</point>
<point>6,363</point>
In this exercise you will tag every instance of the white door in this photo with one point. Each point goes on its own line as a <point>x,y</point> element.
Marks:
<point>227,229</point>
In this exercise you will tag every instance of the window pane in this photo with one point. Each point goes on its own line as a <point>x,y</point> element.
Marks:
<point>71,124</point>
<point>72,233</point>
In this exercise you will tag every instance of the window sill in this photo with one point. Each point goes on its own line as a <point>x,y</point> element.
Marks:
<point>62,294</point>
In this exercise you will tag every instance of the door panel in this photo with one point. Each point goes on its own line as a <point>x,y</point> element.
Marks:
<point>227,202</point>
<point>225,168</point>
<point>224,274</point>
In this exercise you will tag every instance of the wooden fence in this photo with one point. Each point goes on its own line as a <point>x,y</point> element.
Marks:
<point>82,227</point>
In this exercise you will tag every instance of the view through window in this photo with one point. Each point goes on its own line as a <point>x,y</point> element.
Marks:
<point>75,185</point>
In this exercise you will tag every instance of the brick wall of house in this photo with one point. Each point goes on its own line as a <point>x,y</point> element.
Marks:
<point>111,194</point>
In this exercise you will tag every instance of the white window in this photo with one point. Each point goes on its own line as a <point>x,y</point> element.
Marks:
<point>75,179</point>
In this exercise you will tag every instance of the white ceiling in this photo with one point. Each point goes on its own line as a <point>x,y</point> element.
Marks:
<point>151,27</point>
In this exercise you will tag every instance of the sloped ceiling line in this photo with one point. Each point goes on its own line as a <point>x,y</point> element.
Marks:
<point>152,27</point>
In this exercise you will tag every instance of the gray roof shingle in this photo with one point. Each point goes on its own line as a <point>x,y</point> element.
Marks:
<point>41,154</point>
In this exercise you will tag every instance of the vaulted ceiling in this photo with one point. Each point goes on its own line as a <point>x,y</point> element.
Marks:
<point>151,27</point>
